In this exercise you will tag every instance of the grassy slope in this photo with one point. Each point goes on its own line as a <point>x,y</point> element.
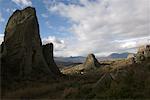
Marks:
<point>76,86</point>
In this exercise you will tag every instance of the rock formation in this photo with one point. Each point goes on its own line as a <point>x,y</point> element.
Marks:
<point>143,53</point>
<point>48,55</point>
<point>147,51</point>
<point>130,55</point>
<point>131,58</point>
<point>103,83</point>
<point>91,62</point>
<point>22,55</point>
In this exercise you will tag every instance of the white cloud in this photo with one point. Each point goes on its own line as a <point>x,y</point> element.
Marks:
<point>134,43</point>
<point>98,23</point>
<point>59,44</point>
<point>22,3</point>
<point>1,38</point>
<point>48,24</point>
<point>10,10</point>
<point>44,15</point>
<point>1,18</point>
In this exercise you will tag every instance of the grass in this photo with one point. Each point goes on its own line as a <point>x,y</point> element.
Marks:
<point>135,85</point>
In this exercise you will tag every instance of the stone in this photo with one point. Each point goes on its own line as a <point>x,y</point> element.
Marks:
<point>147,51</point>
<point>130,55</point>
<point>21,52</point>
<point>49,58</point>
<point>143,53</point>
<point>139,57</point>
<point>103,83</point>
<point>131,58</point>
<point>91,62</point>
<point>119,74</point>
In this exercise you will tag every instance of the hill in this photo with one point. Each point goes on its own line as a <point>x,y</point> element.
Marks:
<point>118,55</point>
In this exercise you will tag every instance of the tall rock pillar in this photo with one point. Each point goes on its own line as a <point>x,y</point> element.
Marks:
<point>49,58</point>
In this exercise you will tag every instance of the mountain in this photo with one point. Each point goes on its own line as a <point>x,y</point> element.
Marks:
<point>76,59</point>
<point>67,61</point>
<point>118,55</point>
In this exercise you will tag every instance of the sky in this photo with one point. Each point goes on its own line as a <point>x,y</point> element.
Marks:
<point>80,27</point>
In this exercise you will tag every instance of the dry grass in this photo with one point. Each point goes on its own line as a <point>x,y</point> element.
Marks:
<point>77,86</point>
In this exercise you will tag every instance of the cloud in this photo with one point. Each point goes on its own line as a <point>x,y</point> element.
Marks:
<point>44,15</point>
<point>133,43</point>
<point>98,24</point>
<point>1,18</point>
<point>22,3</point>
<point>59,44</point>
<point>48,24</point>
<point>1,38</point>
<point>10,10</point>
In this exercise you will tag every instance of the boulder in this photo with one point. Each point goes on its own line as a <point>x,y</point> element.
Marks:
<point>49,58</point>
<point>131,55</point>
<point>103,83</point>
<point>147,51</point>
<point>131,58</point>
<point>139,57</point>
<point>143,53</point>
<point>91,62</point>
<point>22,55</point>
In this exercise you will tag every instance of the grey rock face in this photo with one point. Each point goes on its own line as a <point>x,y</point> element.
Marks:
<point>147,51</point>
<point>91,62</point>
<point>143,53</point>
<point>22,54</point>
<point>48,55</point>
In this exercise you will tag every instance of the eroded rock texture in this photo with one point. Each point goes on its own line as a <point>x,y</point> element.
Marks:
<point>49,58</point>
<point>91,62</point>
<point>21,52</point>
<point>143,53</point>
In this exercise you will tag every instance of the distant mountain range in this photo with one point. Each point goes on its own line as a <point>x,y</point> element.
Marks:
<point>118,55</point>
<point>70,59</point>
<point>66,61</point>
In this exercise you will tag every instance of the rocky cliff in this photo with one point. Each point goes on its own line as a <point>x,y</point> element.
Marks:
<point>21,52</point>
<point>49,58</point>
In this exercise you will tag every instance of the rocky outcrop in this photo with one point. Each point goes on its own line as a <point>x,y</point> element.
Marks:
<point>49,58</point>
<point>22,55</point>
<point>143,53</point>
<point>131,58</point>
<point>147,51</point>
<point>130,55</point>
<point>103,82</point>
<point>91,62</point>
